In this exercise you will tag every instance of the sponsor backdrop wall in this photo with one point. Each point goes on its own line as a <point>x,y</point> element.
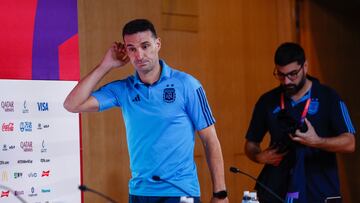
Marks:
<point>39,64</point>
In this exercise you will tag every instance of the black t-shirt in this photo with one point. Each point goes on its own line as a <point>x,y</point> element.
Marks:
<point>328,115</point>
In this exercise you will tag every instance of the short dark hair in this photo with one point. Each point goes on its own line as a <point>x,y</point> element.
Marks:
<point>289,52</point>
<point>138,25</point>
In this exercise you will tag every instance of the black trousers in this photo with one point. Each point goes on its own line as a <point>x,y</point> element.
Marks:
<point>150,199</point>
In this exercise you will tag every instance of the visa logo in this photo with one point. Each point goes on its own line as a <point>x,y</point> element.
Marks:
<point>43,106</point>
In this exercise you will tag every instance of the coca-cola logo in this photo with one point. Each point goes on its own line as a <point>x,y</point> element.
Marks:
<point>7,127</point>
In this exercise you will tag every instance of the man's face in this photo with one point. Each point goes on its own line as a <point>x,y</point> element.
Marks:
<point>292,77</point>
<point>142,49</point>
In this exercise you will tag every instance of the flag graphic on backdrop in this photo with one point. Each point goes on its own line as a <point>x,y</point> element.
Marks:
<point>39,65</point>
<point>39,40</point>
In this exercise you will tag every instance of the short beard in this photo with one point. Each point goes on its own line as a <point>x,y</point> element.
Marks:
<point>292,89</point>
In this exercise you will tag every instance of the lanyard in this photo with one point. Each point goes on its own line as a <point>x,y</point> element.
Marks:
<point>305,111</point>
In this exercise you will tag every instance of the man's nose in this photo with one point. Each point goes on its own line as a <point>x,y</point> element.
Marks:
<point>287,80</point>
<point>139,54</point>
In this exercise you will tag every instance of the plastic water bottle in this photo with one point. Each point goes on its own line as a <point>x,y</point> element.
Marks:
<point>246,197</point>
<point>249,197</point>
<point>253,197</point>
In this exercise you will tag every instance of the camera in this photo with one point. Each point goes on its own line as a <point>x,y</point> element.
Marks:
<point>288,124</point>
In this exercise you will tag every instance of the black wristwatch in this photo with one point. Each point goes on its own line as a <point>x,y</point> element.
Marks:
<point>221,194</point>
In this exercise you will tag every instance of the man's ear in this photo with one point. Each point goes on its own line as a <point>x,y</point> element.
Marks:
<point>305,66</point>
<point>158,43</point>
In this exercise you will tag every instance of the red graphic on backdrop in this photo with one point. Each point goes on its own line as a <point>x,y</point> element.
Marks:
<point>45,173</point>
<point>5,193</point>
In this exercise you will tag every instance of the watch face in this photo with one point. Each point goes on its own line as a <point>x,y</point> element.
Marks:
<point>221,194</point>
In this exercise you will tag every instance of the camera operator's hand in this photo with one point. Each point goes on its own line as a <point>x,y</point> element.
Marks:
<point>309,138</point>
<point>270,156</point>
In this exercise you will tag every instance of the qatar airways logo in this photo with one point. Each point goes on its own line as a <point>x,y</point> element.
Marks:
<point>8,106</point>
<point>26,146</point>
<point>7,127</point>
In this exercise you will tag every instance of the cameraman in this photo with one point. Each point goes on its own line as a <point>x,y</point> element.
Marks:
<point>308,123</point>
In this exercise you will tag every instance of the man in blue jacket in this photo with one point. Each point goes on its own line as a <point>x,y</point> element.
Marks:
<point>308,123</point>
